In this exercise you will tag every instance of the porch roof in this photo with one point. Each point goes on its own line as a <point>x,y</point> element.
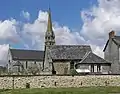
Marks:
<point>91,58</point>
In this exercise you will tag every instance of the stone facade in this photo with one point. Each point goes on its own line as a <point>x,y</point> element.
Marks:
<point>59,81</point>
<point>106,69</point>
<point>62,67</point>
<point>25,63</point>
<point>112,54</point>
<point>26,66</point>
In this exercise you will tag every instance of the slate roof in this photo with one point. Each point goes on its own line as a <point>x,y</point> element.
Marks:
<point>29,55</point>
<point>91,58</point>
<point>115,39</point>
<point>69,52</point>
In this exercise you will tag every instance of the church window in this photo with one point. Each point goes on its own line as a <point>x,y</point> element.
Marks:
<point>98,68</point>
<point>26,64</point>
<point>18,68</point>
<point>48,38</point>
<point>92,68</point>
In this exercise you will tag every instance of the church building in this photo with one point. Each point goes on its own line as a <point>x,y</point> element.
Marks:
<point>56,59</point>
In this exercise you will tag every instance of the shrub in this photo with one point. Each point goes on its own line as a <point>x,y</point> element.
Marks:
<point>73,72</point>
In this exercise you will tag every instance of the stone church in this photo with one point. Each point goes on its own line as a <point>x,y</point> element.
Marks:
<point>56,59</point>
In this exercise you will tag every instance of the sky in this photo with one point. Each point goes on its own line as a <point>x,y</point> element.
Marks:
<point>75,22</point>
<point>65,12</point>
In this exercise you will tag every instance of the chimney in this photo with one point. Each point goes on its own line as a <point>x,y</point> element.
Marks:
<point>111,34</point>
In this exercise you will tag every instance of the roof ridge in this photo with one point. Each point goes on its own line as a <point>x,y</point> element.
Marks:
<point>71,45</point>
<point>85,56</point>
<point>100,57</point>
<point>25,49</point>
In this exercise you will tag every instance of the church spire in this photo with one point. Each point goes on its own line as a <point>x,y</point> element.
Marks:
<point>49,26</point>
<point>49,36</point>
<point>49,42</point>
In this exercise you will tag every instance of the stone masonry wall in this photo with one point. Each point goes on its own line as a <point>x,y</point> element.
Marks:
<point>59,81</point>
<point>62,67</point>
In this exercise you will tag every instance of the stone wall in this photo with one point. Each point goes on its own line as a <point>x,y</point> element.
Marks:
<point>62,67</point>
<point>59,81</point>
<point>112,54</point>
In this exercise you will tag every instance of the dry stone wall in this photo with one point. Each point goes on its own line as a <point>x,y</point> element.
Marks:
<point>59,81</point>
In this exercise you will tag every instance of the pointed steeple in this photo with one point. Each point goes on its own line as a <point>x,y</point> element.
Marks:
<point>49,26</point>
<point>49,35</point>
<point>49,42</point>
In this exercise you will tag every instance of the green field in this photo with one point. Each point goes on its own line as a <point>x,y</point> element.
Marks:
<point>83,90</point>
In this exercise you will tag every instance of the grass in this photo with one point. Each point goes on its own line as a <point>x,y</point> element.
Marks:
<point>83,90</point>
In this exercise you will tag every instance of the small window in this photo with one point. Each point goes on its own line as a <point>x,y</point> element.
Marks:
<point>98,68</point>
<point>92,68</point>
<point>26,64</point>
<point>18,68</point>
<point>48,38</point>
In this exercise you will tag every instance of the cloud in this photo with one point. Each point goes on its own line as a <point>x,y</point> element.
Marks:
<point>8,29</point>
<point>26,15</point>
<point>3,54</point>
<point>97,22</point>
<point>31,35</point>
<point>35,33</point>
